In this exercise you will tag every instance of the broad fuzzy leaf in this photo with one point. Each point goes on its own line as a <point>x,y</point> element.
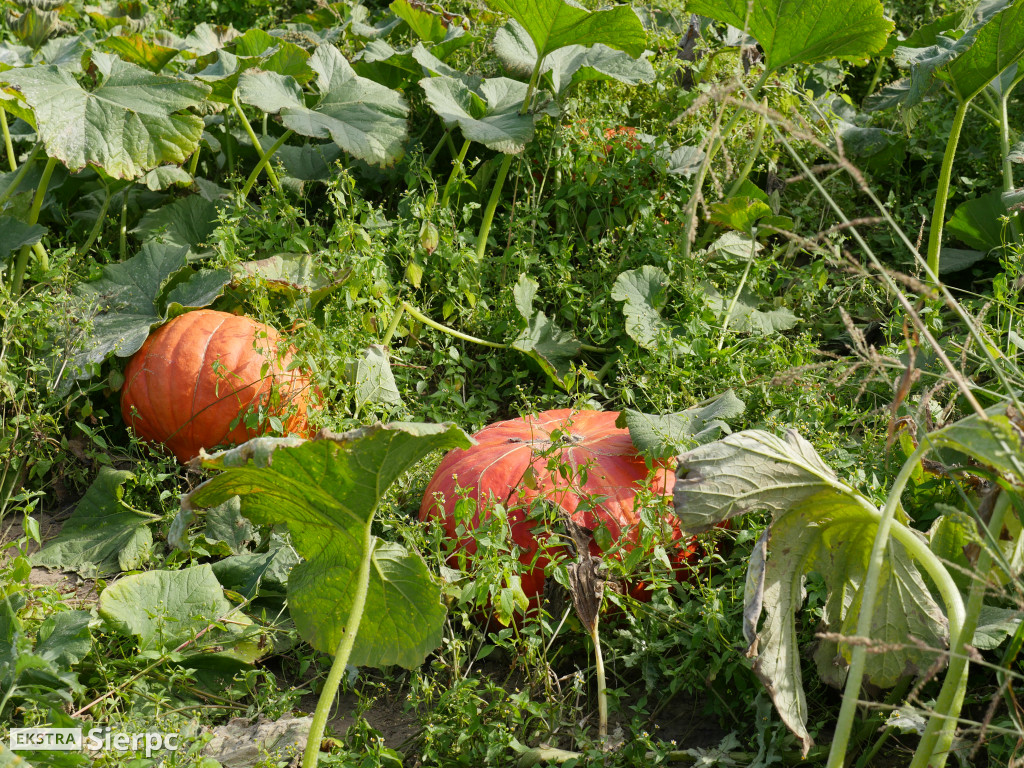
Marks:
<point>552,348</point>
<point>745,317</point>
<point>819,524</point>
<point>362,117</point>
<point>976,222</point>
<point>131,123</point>
<point>644,292</point>
<point>998,45</point>
<point>326,491</point>
<point>488,114</point>
<point>103,535</point>
<point>793,31</point>
<point>371,376</point>
<point>661,436</point>
<point>554,24</point>
<point>166,608</point>
<point>996,441</point>
<point>571,64</point>
<point>14,233</point>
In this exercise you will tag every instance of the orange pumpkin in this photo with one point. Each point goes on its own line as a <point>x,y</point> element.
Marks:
<point>195,378</point>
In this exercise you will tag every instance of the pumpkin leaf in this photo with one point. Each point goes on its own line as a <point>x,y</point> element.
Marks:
<point>998,45</point>
<point>571,64</point>
<point>372,379</point>
<point>362,117</point>
<point>201,289</point>
<point>187,221</point>
<point>554,24</point>
<point>994,626</point>
<point>996,441</point>
<point>131,123</point>
<point>552,348</point>
<point>819,524</point>
<point>14,233</point>
<point>745,317</point>
<point>661,436</point>
<point>164,609</point>
<point>957,259</point>
<point>425,23</point>
<point>104,535</point>
<point>137,50</point>
<point>644,292</point>
<point>488,114</point>
<point>326,491</point>
<point>976,222</point>
<point>299,277</point>
<point>810,31</point>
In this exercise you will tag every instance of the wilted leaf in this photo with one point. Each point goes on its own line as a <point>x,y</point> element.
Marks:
<point>819,524</point>
<point>327,491</point>
<point>103,535</point>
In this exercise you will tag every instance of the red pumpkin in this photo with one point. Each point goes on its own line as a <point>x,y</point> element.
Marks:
<point>195,376</point>
<point>509,464</point>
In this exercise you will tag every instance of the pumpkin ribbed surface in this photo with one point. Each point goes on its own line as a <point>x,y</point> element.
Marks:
<point>197,374</point>
<point>510,464</point>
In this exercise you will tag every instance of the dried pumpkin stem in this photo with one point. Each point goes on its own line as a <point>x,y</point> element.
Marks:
<point>602,686</point>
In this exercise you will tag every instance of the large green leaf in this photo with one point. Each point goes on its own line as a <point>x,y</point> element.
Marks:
<point>571,64</point>
<point>999,44</point>
<point>792,31</point>
<point>163,609</point>
<point>976,221</point>
<point>554,24</point>
<point>745,317</point>
<point>372,380</point>
<point>819,524</point>
<point>644,292</point>
<point>127,301</point>
<point>541,338</point>
<point>488,114</point>
<point>14,233</point>
<point>131,123</point>
<point>996,441</point>
<point>103,535</point>
<point>660,436</point>
<point>362,117</point>
<point>326,491</point>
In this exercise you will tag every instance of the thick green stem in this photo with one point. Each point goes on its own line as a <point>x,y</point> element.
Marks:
<point>393,327</point>
<point>33,216</point>
<point>19,176</point>
<point>264,160</point>
<point>492,204</point>
<point>229,153</point>
<point>12,159</point>
<point>869,593</point>
<point>193,164</point>
<point>1004,146</point>
<point>415,313</point>
<point>456,170</point>
<point>98,226</point>
<point>938,734</point>
<point>341,656</point>
<point>271,174</point>
<point>939,212</point>
<point>690,214</point>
